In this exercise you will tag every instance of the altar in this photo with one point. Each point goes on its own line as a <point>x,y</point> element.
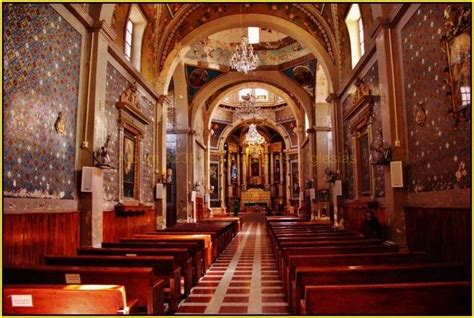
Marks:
<point>256,196</point>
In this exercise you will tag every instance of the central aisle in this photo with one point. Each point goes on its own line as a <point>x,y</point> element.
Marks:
<point>243,280</point>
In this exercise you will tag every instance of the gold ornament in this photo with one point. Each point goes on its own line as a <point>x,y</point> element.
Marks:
<point>59,125</point>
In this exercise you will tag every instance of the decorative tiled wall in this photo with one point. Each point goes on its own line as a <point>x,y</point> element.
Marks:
<point>438,150</point>
<point>116,84</point>
<point>41,78</point>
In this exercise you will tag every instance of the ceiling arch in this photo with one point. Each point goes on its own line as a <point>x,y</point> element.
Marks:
<point>288,88</point>
<point>263,122</point>
<point>232,89</point>
<point>300,34</point>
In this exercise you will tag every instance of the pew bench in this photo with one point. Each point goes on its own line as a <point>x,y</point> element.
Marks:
<point>139,283</point>
<point>204,243</point>
<point>181,256</point>
<point>295,261</point>
<point>164,267</point>
<point>371,274</point>
<point>192,248</point>
<point>433,298</point>
<point>75,299</point>
<point>386,247</point>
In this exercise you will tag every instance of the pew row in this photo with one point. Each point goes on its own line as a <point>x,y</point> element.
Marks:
<point>75,299</point>
<point>434,298</point>
<point>371,274</point>
<point>164,267</point>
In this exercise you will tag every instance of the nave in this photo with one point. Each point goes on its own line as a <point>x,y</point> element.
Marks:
<point>243,280</point>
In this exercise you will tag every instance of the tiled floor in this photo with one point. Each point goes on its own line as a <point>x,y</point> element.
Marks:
<point>243,280</point>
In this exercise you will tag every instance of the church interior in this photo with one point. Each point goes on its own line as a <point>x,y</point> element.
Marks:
<point>237,158</point>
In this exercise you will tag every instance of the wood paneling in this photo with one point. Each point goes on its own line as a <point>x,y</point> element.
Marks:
<point>28,237</point>
<point>444,233</point>
<point>117,226</point>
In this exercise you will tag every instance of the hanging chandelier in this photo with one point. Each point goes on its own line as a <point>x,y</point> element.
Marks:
<point>243,58</point>
<point>248,109</point>
<point>253,138</point>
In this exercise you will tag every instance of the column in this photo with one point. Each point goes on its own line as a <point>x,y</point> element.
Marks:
<point>91,204</point>
<point>238,172</point>
<point>288,179</point>
<point>229,175</point>
<point>300,133</point>
<point>159,160</point>
<point>265,169</point>
<point>222,187</point>
<point>272,181</point>
<point>244,169</point>
<point>391,105</point>
<point>280,185</point>
<point>184,153</point>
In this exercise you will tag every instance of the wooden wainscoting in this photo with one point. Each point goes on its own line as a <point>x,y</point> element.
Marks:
<point>28,237</point>
<point>117,225</point>
<point>444,233</point>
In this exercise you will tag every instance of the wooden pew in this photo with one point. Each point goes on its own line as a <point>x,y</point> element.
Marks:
<point>387,247</point>
<point>66,300</point>
<point>434,298</point>
<point>204,241</point>
<point>163,266</point>
<point>237,225</point>
<point>181,256</point>
<point>214,245</point>
<point>193,249</point>
<point>295,261</point>
<point>281,246</point>
<point>139,283</point>
<point>371,274</point>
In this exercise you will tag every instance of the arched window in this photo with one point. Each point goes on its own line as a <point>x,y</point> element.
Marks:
<point>356,33</point>
<point>134,30</point>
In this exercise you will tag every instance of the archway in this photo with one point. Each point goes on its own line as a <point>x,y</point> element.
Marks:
<point>234,21</point>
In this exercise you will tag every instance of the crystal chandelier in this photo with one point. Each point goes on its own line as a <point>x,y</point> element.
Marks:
<point>244,59</point>
<point>253,138</point>
<point>248,109</point>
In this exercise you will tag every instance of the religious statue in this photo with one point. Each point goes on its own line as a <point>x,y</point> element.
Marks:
<point>59,125</point>
<point>380,150</point>
<point>330,175</point>
<point>103,157</point>
<point>420,115</point>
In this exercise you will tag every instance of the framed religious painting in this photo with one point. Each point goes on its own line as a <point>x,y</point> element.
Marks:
<point>129,165</point>
<point>457,40</point>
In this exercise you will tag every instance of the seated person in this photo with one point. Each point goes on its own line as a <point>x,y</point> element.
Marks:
<point>371,227</point>
<point>268,211</point>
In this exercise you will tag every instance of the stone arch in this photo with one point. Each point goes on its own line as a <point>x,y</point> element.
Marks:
<point>234,21</point>
<point>215,103</point>
<point>273,78</point>
<point>270,123</point>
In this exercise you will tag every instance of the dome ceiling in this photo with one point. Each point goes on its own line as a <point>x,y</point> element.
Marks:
<point>275,48</point>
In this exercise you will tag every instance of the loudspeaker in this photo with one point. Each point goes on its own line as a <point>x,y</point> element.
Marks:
<point>396,174</point>
<point>87,176</point>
